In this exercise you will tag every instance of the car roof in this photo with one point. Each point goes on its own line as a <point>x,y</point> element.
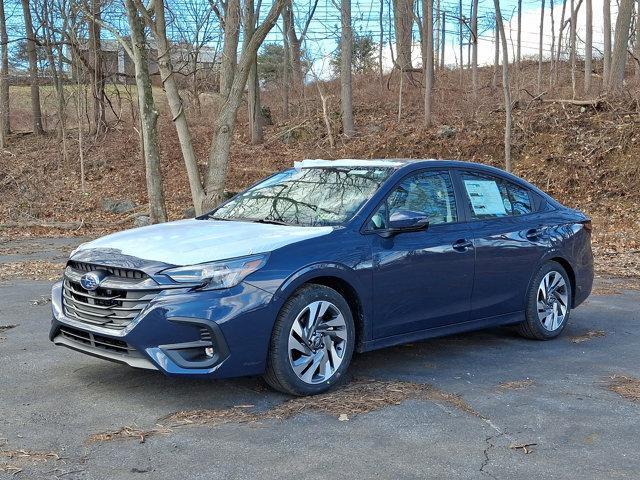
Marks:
<point>395,163</point>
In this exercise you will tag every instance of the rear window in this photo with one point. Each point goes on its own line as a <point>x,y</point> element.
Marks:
<point>492,197</point>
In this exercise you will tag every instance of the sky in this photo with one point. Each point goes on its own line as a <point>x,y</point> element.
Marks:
<point>324,29</point>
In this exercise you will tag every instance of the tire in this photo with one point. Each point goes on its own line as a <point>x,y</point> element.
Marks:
<point>544,317</point>
<point>307,357</point>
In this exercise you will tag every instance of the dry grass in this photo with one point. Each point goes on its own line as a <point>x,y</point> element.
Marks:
<point>35,270</point>
<point>626,387</point>
<point>8,468</point>
<point>356,398</point>
<point>4,328</point>
<point>516,384</point>
<point>588,335</point>
<point>127,433</point>
<point>29,455</point>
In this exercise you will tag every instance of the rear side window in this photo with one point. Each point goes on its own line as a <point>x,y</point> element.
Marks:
<point>491,197</point>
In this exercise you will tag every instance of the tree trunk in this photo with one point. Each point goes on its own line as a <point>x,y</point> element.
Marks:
<point>148,115</point>
<point>97,78</point>
<point>403,23</point>
<point>380,43</point>
<point>496,57</point>
<point>606,54</point>
<point>505,86</point>
<point>553,41</point>
<point>346,52</point>
<point>556,71</point>
<point>460,42</point>
<point>176,106</point>
<point>442,39</point>
<point>225,122</point>
<point>36,112</point>
<point>295,46</point>
<point>229,60</point>
<point>253,87</point>
<point>588,48</point>
<point>540,45</point>
<point>572,46</point>
<point>636,49</point>
<point>519,36</point>
<point>5,124</point>
<point>620,44</point>
<point>474,49</point>
<point>427,8</point>
<point>286,68</point>
<point>436,32</point>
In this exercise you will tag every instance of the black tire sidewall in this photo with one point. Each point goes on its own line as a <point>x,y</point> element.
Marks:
<point>279,354</point>
<point>532,319</point>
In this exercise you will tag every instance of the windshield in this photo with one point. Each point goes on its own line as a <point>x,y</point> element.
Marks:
<point>306,196</point>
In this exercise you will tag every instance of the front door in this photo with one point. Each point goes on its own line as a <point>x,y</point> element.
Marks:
<point>421,279</point>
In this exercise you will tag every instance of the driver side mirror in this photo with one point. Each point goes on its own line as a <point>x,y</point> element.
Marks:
<point>402,221</point>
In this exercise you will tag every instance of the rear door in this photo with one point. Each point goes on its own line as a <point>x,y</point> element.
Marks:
<point>421,279</point>
<point>509,240</point>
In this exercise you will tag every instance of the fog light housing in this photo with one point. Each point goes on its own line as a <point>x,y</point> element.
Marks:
<point>208,351</point>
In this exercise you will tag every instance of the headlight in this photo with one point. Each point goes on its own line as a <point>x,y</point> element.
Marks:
<point>215,275</point>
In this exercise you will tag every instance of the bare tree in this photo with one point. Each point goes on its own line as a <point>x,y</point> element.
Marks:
<point>553,41</point>
<point>496,55</point>
<point>97,75</point>
<point>636,47</point>
<point>148,111</point>
<point>606,54</point>
<point>346,56</point>
<point>519,36</point>
<point>225,121</point>
<point>295,41</point>
<point>253,87</point>
<point>403,23</point>
<point>540,46</point>
<point>427,22</point>
<point>505,87</point>
<point>436,33</point>
<point>588,47</point>
<point>474,50</point>
<point>443,29</point>
<point>620,45</point>
<point>5,124</point>
<point>556,70</point>
<point>572,46</point>
<point>36,111</point>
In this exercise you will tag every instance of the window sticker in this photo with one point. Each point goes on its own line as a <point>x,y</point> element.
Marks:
<point>485,197</point>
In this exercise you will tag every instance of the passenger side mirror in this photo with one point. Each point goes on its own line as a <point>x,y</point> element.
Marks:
<point>402,221</point>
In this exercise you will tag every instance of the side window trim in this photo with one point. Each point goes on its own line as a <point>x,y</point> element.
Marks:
<point>460,218</point>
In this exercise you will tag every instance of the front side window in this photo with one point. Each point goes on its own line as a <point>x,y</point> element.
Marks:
<point>491,197</point>
<point>318,196</point>
<point>428,193</point>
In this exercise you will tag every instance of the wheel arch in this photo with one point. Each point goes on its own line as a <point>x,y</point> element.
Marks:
<point>344,281</point>
<point>570,273</point>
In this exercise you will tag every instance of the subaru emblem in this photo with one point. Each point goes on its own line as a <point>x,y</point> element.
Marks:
<point>90,281</point>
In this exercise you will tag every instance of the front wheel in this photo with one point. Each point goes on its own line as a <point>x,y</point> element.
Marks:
<point>312,342</point>
<point>548,303</point>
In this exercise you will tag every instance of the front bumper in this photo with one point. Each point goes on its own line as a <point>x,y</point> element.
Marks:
<point>172,332</point>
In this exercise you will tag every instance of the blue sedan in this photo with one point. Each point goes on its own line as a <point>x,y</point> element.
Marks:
<point>290,277</point>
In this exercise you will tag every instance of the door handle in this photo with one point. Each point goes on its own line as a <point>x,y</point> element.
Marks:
<point>462,245</point>
<point>534,233</point>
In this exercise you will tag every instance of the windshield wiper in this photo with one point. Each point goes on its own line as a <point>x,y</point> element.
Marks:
<point>266,220</point>
<point>212,217</point>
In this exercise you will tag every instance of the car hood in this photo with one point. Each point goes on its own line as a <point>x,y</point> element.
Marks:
<point>188,242</point>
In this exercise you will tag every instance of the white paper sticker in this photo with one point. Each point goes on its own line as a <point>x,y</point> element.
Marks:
<point>485,197</point>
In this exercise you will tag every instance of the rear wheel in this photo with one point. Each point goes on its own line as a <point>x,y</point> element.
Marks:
<point>548,303</point>
<point>312,342</point>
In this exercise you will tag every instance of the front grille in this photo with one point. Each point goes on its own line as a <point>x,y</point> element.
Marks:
<point>118,300</point>
<point>97,341</point>
<point>113,272</point>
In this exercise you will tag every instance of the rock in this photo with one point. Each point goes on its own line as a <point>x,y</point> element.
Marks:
<point>117,206</point>
<point>189,212</point>
<point>445,131</point>
<point>141,221</point>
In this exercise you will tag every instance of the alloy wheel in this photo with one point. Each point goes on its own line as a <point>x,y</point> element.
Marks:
<point>552,300</point>
<point>317,342</point>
